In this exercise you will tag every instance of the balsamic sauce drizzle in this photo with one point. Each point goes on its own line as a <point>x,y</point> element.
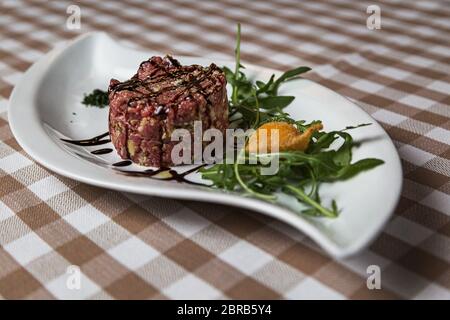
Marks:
<point>165,174</point>
<point>102,151</point>
<point>95,141</point>
<point>134,83</point>
<point>124,163</point>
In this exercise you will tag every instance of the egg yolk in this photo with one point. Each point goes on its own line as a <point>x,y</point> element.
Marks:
<point>289,138</point>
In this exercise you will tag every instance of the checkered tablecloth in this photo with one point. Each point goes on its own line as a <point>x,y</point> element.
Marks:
<point>129,246</point>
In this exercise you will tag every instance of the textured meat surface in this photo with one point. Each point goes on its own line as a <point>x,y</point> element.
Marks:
<point>161,97</point>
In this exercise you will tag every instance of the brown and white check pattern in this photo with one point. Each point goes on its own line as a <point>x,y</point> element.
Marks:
<point>130,246</point>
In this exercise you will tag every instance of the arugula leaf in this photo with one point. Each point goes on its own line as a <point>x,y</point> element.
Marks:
<point>292,73</point>
<point>264,87</point>
<point>287,76</point>
<point>343,155</point>
<point>275,102</point>
<point>351,170</point>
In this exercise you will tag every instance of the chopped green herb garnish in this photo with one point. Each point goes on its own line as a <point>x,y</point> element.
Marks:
<point>97,98</point>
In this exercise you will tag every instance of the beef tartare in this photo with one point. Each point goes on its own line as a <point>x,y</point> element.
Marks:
<point>162,96</point>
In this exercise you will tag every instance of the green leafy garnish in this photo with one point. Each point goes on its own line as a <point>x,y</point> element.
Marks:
<point>97,98</point>
<point>300,173</point>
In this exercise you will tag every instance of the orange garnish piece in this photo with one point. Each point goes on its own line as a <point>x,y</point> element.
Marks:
<point>289,138</point>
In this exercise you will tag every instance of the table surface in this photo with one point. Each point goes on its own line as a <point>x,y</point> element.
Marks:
<point>129,246</point>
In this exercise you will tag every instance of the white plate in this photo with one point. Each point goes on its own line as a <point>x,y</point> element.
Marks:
<point>41,111</point>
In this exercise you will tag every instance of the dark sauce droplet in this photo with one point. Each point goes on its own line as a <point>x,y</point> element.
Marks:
<point>171,175</point>
<point>124,163</point>
<point>102,151</point>
<point>95,141</point>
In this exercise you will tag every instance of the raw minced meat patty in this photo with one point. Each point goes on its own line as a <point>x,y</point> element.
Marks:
<point>162,96</point>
